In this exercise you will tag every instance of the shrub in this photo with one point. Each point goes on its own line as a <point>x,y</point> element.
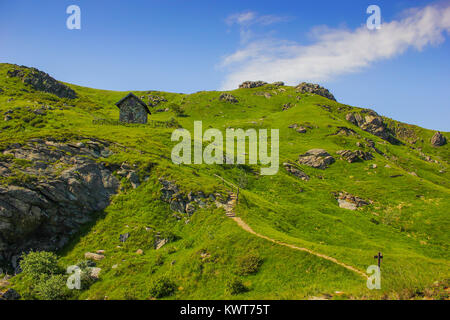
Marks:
<point>235,286</point>
<point>162,287</point>
<point>38,264</point>
<point>248,264</point>
<point>177,109</point>
<point>52,287</point>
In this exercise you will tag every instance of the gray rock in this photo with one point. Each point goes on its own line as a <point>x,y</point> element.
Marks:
<point>438,140</point>
<point>316,158</point>
<point>355,156</point>
<point>295,171</point>
<point>226,97</point>
<point>252,84</point>
<point>315,89</point>
<point>41,81</point>
<point>54,195</point>
<point>350,202</point>
<point>124,237</point>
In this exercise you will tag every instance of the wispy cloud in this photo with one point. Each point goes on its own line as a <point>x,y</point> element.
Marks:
<point>248,18</point>
<point>335,51</point>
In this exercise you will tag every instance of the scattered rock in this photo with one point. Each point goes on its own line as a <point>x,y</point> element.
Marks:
<point>140,252</point>
<point>316,89</point>
<point>438,140</point>
<point>100,251</point>
<point>296,172</point>
<point>287,106</point>
<point>354,156</point>
<point>350,202</point>
<point>252,84</point>
<point>154,100</point>
<point>94,273</point>
<point>278,83</point>
<point>134,179</point>
<point>115,266</point>
<point>344,131</point>
<point>94,256</point>
<point>413,174</point>
<point>316,158</point>
<point>228,98</point>
<point>160,243</point>
<point>124,237</point>
<point>301,130</point>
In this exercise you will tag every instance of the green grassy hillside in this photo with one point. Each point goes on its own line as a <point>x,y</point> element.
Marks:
<point>407,219</point>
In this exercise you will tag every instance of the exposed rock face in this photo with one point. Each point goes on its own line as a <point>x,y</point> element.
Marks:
<point>296,172</point>
<point>316,158</point>
<point>49,190</point>
<point>278,83</point>
<point>438,139</point>
<point>181,203</point>
<point>252,84</point>
<point>350,202</point>
<point>228,98</point>
<point>355,156</point>
<point>373,124</point>
<point>305,87</point>
<point>41,81</point>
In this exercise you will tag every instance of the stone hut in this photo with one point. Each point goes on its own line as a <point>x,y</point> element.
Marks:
<point>132,109</point>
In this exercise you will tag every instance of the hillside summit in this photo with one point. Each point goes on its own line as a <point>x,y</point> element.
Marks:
<point>86,190</point>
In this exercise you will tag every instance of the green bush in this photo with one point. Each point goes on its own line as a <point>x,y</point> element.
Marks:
<point>162,287</point>
<point>248,264</point>
<point>235,286</point>
<point>35,265</point>
<point>52,287</point>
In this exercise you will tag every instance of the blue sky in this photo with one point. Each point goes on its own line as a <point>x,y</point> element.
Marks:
<point>402,70</point>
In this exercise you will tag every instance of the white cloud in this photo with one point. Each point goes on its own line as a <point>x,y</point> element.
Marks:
<point>335,51</point>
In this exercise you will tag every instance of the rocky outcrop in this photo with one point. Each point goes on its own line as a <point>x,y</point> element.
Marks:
<point>251,84</point>
<point>278,83</point>
<point>181,202</point>
<point>372,123</point>
<point>295,171</point>
<point>305,87</point>
<point>438,140</point>
<point>226,97</point>
<point>41,81</point>
<point>48,190</point>
<point>154,100</point>
<point>344,131</point>
<point>316,158</point>
<point>349,201</point>
<point>355,156</point>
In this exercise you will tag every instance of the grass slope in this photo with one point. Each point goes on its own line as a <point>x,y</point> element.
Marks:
<point>408,220</point>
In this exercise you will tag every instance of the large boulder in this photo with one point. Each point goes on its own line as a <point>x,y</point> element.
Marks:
<point>316,158</point>
<point>438,140</point>
<point>305,87</point>
<point>41,81</point>
<point>52,189</point>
